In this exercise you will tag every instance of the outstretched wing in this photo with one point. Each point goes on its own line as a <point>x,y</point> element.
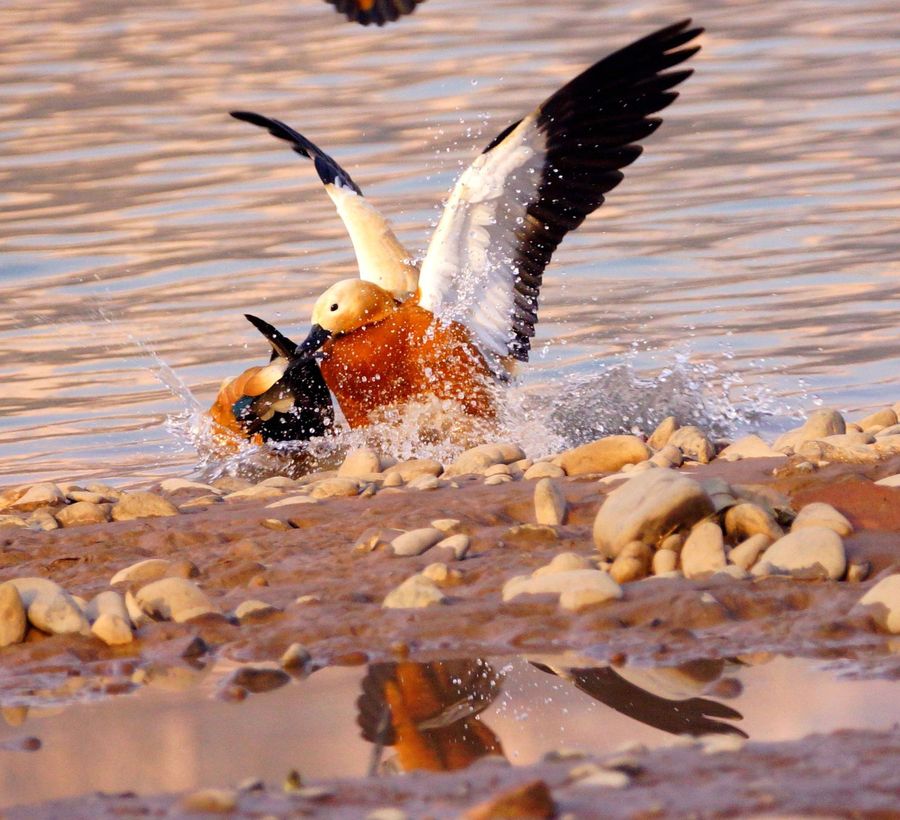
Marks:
<point>537,181</point>
<point>379,254</point>
<point>379,12</point>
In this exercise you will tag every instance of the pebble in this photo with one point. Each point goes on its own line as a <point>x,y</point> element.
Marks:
<point>531,800</point>
<point>295,656</point>
<point>415,542</point>
<point>819,514</point>
<point>733,571</point>
<point>478,459</point>
<point>647,507</point>
<point>387,813</point>
<point>14,521</point>
<point>42,520</point>
<point>36,496</point>
<point>693,442</point>
<point>549,503</point>
<point>13,621</point>
<point>210,801</point>
<point>591,775</point>
<point>335,488</point>
<point>704,550</point>
<point>458,543</point>
<point>425,482</point>
<point>291,501</point>
<point>889,481</point>
<point>493,480</point>
<point>749,447</point>
<point>441,574</point>
<point>374,538</point>
<point>85,495</point>
<point>822,451</point>
<point>744,520</point>
<point>112,629</point>
<point>820,423</point>
<point>173,485</point>
<point>664,561</point>
<point>142,505</point>
<point>58,613</point>
<point>408,470</point>
<point>659,438</point>
<point>81,513</point>
<point>605,455</point>
<point>260,492</point>
<point>632,563</point>
<point>258,679</point>
<point>173,599</point>
<point>544,469</point>
<point>253,607</point>
<point>359,462</point>
<point>882,418</point>
<point>108,602</point>
<point>745,554</point>
<point>150,569</point>
<point>447,525</point>
<point>497,469</point>
<point>415,592</point>
<point>673,542</point>
<point>804,549</point>
<point>200,501</point>
<point>564,562</point>
<point>392,480</point>
<point>858,571</point>
<point>882,602</point>
<point>596,581</point>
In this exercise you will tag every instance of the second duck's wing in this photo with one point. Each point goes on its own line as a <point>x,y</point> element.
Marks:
<point>537,181</point>
<point>379,254</point>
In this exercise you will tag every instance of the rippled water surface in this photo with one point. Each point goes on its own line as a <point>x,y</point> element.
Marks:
<point>755,241</point>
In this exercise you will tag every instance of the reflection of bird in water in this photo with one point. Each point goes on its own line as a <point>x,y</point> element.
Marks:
<point>631,692</point>
<point>379,12</point>
<point>428,712</point>
<point>394,336</point>
<point>285,400</point>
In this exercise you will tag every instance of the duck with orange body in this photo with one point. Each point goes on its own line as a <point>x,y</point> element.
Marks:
<point>456,327</point>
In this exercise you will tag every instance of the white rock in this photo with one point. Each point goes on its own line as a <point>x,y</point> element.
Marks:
<point>564,562</point>
<point>632,563</point>
<point>57,613</point>
<point>744,520</point>
<point>447,525</point>
<point>13,621</point>
<point>260,492</point>
<point>81,513</point>
<point>413,468</point>
<point>112,629</point>
<point>392,480</point>
<point>107,602</point>
<point>42,520</point>
<point>704,550</point>
<point>294,656</point>
<point>882,602</point>
<point>335,488</point>
<point>664,561</point>
<point>493,480</point>
<point>362,461</point>
<point>13,522</point>
<point>549,503</point>
<point>804,549</point>
<point>745,554</point>
<point>458,543</point>
<point>425,482</point>
<point>648,507</point>
<point>415,542</point>
<point>882,418</point>
<point>605,455</point>
<point>544,469</point>
<point>478,459</point>
<point>821,423</point>
<point>142,505</point>
<point>733,571</point>
<point>415,592</point>
<point>497,469</point>
<point>694,443</point>
<point>749,447</point>
<point>559,582</point>
<point>663,432</point>
<point>172,485</point>
<point>819,514</point>
<point>291,501</point>
<point>37,496</point>
<point>889,481</point>
<point>253,606</point>
<point>173,599</point>
<point>149,569</point>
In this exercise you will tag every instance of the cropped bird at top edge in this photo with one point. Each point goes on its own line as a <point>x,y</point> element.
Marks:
<point>379,12</point>
<point>456,327</point>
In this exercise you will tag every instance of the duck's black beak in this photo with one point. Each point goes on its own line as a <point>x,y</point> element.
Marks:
<point>315,339</point>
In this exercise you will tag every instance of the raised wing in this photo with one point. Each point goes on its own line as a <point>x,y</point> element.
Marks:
<point>537,181</point>
<point>379,12</point>
<point>379,254</point>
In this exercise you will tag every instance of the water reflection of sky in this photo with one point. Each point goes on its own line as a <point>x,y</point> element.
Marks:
<point>758,231</point>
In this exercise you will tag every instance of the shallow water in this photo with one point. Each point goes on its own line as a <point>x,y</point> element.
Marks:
<point>175,734</point>
<point>756,239</point>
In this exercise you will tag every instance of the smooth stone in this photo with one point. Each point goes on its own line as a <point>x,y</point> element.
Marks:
<point>632,563</point>
<point>425,482</point>
<point>392,480</point>
<point>253,607</point>
<point>745,554</point>
<point>673,542</point>
<point>494,480</point>
<point>281,482</point>
<point>210,801</point>
<point>200,501</point>
<point>361,461</point>
<point>558,582</point>
<point>108,602</point>
<point>58,613</point>
<point>804,549</point>
<point>81,513</point>
<point>478,459</point>
<point>893,430</point>
<point>858,571</point>
<point>550,505</point>
<point>605,455</point>
<point>36,496</point>
<point>150,569</point>
<point>85,495</point>
<point>881,418</point>
<point>820,451</point>
<point>374,538</point>
<point>576,600</point>
<point>42,520</point>
<point>142,505</point>
<point>819,514</point>
<point>497,469</point>
<point>458,544</point>
<point>851,438</point>
<point>889,481</point>
<point>544,469</point>
<point>173,485</point>
<point>647,508</point>
<point>387,813</point>
<point>413,468</point>
<point>746,519</point>
<point>751,446</point>
<point>887,445</point>
<point>112,629</point>
<point>447,525</point>
<point>659,438</point>
<point>291,500</point>
<point>704,550</point>
<point>13,620</point>
<point>335,488</point>
<point>295,656</point>
<point>29,588</point>
<point>137,615</point>
<point>258,493</point>
<point>12,521</point>
<point>415,542</point>
<point>820,423</point>
<point>664,561</point>
<point>694,443</point>
<point>733,571</point>
<point>564,562</point>
<point>173,599</point>
<point>415,592</point>
<point>882,602</point>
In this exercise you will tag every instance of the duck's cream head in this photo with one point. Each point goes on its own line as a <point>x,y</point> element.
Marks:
<point>345,307</point>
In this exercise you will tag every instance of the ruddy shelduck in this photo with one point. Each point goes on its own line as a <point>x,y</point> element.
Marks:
<point>456,327</point>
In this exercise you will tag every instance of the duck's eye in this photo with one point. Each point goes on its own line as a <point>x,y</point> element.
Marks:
<point>333,308</point>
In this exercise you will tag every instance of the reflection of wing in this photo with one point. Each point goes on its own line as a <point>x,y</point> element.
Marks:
<point>538,180</point>
<point>374,11</point>
<point>427,711</point>
<point>692,716</point>
<point>379,254</point>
